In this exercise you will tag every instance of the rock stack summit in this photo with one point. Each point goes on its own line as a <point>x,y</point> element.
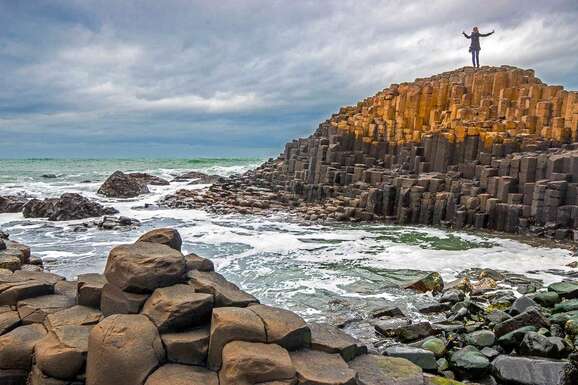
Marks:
<point>490,148</point>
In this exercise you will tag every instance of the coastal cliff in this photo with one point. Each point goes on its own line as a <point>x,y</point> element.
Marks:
<point>490,148</point>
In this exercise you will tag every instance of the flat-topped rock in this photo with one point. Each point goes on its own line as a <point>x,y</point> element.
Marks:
<point>423,358</point>
<point>529,370</point>
<point>144,266</point>
<point>17,346</point>
<point>283,327</point>
<point>320,368</point>
<point>116,301</point>
<point>225,293</point>
<point>329,339</point>
<point>12,292</point>
<point>172,374</point>
<point>90,289</point>
<point>379,370</point>
<point>35,310</point>
<point>188,347</point>
<point>75,315</point>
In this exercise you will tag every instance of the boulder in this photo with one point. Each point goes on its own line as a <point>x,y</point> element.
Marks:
<point>379,370</point>
<point>389,311</point>
<point>435,345</point>
<point>116,301</point>
<point>10,262</point>
<point>248,363</point>
<point>431,282</point>
<point>8,321</point>
<point>70,206</point>
<point>187,347</point>
<point>194,262</point>
<point>522,304</point>
<point>13,290</point>
<point>172,374</point>
<point>470,362</point>
<point>408,332</point>
<point>225,293</point>
<point>178,307</point>
<point>35,310</point>
<point>531,317</point>
<point>121,185</point>
<point>148,179</point>
<point>547,298</point>
<point>566,306</point>
<point>480,338</point>
<point>14,377</point>
<point>123,349</point>
<point>513,339</point>
<point>329,339</point>
<point>144,266</point>
<point>283,327</point>
<point>36,377</point>
<point>75,315</point>
<point>423,358</point>
<point>90,289</point>
<point>16,249</point>
<point>529,370</point>
<point>164,236</point>
<point>17,346</point>
<point>565,289</point>
<point>12,203</point>
<point>232,324</point>
<point>320,368</point>
<point>62,354</point>
<point>536,344</point>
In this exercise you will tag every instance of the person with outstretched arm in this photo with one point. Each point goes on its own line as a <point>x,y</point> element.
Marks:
<point>475,45</point>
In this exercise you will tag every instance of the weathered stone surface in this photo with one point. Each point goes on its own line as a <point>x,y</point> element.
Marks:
<point>69,206</point>
<point>116,301</point>
<point>8,321</point>
<point>172,374</point>
<point>17,346</point>
<point>406,332</point>
<point>144,267</point>
<point>522,304</point>
<point>480,338</point>
<point>36,377</point>
<point>178,307</point>
<point>75,315</point>
<point>194,262</point>
<point>90,289</point>
<point>123,349</point>
<point>149,179</point>
<point>532,317</point>
<point>529,371</point>
<point>423,358</point>
<point>232,324</point>
<point>248,363</point>
<point>565,289</point>
<point>470,362</point>
<point>225,293</point>
<point>547,298</point>
<point>12,203</point>
<point>164,236</point>
<point>283,327</point>
<point>187,347</point>
<point>431,282</point>
<point>329,339</point>
<point>121,185</point>
<point>62,354</point>
<point>320,368</point>
<point>379,370</point>
<point>12,292</point>
<point>35,310</point>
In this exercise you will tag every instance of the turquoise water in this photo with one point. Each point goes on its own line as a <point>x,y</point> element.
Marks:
<point>323,271</point>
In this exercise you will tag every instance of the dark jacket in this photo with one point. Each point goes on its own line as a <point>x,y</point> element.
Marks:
<point>475,37</point>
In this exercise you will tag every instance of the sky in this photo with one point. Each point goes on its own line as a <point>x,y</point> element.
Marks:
<point>239,78</point>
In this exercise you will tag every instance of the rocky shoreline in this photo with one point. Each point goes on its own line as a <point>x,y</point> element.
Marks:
<point>158,316</point>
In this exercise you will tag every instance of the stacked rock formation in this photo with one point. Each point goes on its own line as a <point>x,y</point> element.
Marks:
<point>157,316</point>
<point>489,148</point>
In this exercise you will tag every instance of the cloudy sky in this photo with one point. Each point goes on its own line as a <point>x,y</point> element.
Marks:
<point>184,78</point>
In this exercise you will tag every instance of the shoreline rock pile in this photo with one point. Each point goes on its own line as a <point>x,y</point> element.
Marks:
<point>492,148</point>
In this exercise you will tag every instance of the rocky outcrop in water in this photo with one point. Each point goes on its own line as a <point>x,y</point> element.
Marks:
<point>149,179</point>
<point>492,148</point>
<point>12,203</point>
<point>121,185</point>
<point>68,206</point>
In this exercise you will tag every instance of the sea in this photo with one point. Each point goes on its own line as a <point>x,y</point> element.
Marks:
<point>325,272</point>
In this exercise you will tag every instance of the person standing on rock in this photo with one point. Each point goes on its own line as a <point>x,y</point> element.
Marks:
<point>475,45</point>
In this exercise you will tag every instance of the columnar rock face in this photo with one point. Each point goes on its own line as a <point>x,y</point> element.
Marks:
<point>488,148</point>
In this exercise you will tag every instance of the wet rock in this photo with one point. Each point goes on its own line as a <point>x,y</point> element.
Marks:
<point>497,316</point>
<point>90,289</point>
<point>121,185</point>
<point>431,282</point>
<point>490,353</point>
<point>123,349</point>
<point>565,289</point>
<point>225,293</point>
<point>389,311</point>
<point>165,236</point>
<point>522,304</point>
<point>535,344</point>
<point>194,262</point>
<point>35,310</point>
<point>469,362</point>
<point>435,345</point>
<point>547,298</point>
<point>433,308</point>
<point>230,324</point>
<point>287,329</point>
<point>116,301</point>
<point>199,178</point>
<point>62,354</point>
<point>531,317</point>
<point>379,370</point>
<point>17,346</point>
<point>187,347</point>
<point>409,333</point>
<point>252,363</point>
<point>315,367</point>
<point>172,374</point>
<point>461,284</point>
<point>70,206</point>
<point>75,315</point>
<point>513,339</point>
<point>566,306</point>
<point>12,204</point>
<point>423,358</point>
<point>480,338</point>
<point>143,267</point>
<point>329,339</point>
<point>117,223</point>
<point>530,371</point>
<point>178,307</point>
<point>148,179</point>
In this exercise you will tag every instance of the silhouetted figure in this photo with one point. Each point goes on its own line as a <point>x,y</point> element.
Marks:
<point>475,45</point>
